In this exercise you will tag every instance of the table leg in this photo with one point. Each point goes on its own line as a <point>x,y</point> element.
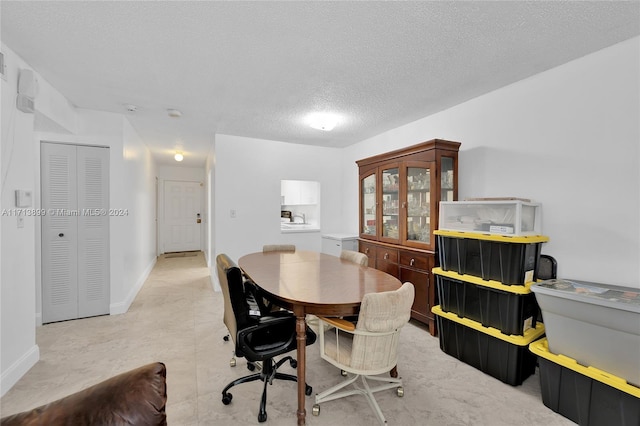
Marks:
<point>301,337</point>
<point>394,372</point>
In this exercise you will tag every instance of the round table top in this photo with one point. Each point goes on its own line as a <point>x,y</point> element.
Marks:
<point>322,284</point>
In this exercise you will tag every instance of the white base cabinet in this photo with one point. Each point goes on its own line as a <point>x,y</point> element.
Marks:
<point>333,244</point>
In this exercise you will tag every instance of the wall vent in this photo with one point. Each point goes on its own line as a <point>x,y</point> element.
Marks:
<point>3,67</point>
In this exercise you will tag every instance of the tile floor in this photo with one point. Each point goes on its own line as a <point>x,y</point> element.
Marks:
<point>177,319</point>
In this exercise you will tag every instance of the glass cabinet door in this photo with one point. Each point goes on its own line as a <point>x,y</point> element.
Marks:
<point>369,205</point>
<point>418,206</point>
<point>390,203</point>
<point>446,179</point>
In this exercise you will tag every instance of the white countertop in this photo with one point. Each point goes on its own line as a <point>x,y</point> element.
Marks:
<point>289,228</point>
<point>341,237</point>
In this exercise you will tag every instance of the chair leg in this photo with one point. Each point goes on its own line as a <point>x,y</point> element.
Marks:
<point>267,374</point>
<point>262,414</point>
<point>251,378</point>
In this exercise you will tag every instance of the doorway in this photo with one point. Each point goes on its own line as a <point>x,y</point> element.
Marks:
<point>182,207</point>
<point>75,231</point>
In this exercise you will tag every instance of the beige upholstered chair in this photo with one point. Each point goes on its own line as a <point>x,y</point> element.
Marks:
<point>278,247</point>
<point>368,349</point>
<point>355,257</point>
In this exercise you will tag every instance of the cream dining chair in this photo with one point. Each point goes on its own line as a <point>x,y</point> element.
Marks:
<point>278,247</point>
<point>367,350</point>
<point>355,257</point>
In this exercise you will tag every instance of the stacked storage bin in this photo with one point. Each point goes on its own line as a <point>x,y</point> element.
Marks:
<point>488,315</point>
<point>590,359</point>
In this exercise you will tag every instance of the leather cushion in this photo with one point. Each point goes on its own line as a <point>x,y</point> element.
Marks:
<point>137,397</point>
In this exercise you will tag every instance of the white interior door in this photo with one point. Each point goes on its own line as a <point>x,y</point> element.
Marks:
<point>75,231</point>
<point>59,233</point>
<point>182,218</point>
<point>93,231</point>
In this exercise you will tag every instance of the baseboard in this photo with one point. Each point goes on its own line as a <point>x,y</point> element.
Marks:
<point>123,307</point>
<point>215,285</point>
<point>18,369</point>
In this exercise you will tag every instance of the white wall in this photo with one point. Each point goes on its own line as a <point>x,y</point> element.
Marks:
<point>210,217</point>
<point>139,191</point>
<point>184,174</point>
<point>247,179</point>
<point>18,349</point>
<point>568,138</point>
<point>132,180</point>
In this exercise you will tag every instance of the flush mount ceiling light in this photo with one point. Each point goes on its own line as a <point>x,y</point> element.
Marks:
<point>322,121</point>
<point>179,156</point>
<point>174,113</point>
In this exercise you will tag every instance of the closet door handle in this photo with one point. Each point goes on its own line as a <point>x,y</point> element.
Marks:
<point>61,235</point>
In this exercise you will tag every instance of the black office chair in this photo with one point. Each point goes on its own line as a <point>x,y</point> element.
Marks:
<point>547,268</point>
<point>259,337</point>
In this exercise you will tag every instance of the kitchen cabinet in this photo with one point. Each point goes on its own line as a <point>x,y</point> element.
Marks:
<point>299,192</point>
<point>400,193</point>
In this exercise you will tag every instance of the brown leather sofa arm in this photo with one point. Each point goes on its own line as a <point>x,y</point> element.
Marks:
<point>137,397</point>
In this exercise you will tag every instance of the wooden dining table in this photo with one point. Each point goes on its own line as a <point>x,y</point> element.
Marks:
<point>308,282</point>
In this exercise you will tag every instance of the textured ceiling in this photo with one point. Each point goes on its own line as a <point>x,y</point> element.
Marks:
<point>256,69</point>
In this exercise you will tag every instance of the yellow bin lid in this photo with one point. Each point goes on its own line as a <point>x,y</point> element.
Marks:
<point>496,285</point>
<point>529,335</point>
<point>522,239</point>
<point>541,348</point>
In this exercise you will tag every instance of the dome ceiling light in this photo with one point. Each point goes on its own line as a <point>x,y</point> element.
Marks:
<point>322,121</point>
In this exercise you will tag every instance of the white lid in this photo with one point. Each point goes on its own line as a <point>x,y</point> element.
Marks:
<point>625,298</point>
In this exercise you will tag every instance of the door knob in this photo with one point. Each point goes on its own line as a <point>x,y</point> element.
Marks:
<point>61,235</point>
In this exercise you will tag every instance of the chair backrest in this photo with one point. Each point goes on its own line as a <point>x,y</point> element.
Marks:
<point>236,307</point>
<point>547,267</point>
<point>223,263</point>
<point>355,257</point>
<point>381,313</point>
<point>278,247</point>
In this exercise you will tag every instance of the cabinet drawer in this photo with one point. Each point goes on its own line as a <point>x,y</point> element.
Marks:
<point>415,260</point>
<point>368,249</point>
<point>386,254</point>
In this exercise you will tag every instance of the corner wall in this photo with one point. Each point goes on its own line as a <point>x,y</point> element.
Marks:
<point>568,138</point>
<point>18,348</point>
<point>132,181</point>
<point>247,179</point>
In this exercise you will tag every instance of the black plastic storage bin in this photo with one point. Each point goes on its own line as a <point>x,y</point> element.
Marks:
<point>508,260</point>
<point>585,395</point>
<point>507,358</point>
<point>490,303</point>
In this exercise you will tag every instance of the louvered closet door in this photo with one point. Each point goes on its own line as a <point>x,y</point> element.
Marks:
<point>75,231</point>
<point>93,231</point>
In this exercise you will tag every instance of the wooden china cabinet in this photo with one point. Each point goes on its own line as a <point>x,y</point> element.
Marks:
<point>399,199</point>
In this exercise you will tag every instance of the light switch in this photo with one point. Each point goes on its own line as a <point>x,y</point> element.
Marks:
<point>23,198</point>
<point>232,213</point>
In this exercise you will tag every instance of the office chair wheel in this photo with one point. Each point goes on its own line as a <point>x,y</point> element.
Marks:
<point>343,373</point>
<point>262,417</point>
<point>307,390</point>
<point>293,363</point>
<point>400,391</point>
<point>226,398</point>
<point>316,410</point>
<point>232,362</point>
<point>251,366</point>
